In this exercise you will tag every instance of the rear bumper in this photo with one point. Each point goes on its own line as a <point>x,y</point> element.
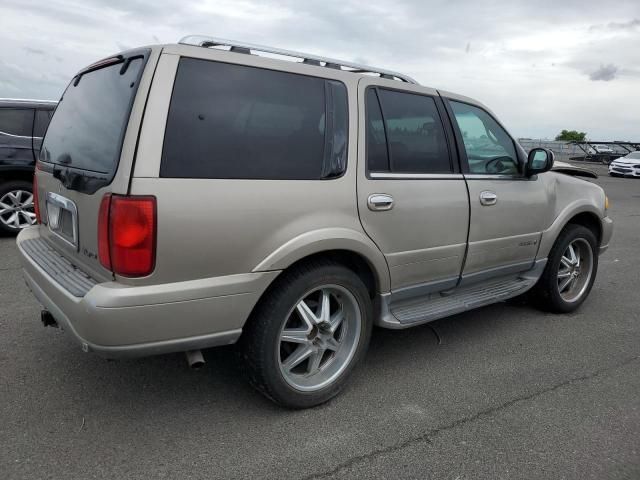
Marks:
<point>117,320</point>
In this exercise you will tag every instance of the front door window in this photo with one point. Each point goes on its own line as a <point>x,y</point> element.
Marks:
<point>489,148</point>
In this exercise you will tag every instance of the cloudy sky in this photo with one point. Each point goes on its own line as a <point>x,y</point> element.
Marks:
<point>541,66</point>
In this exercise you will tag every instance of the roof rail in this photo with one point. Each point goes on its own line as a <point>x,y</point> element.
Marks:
<point>242,47</point>
<point>28,100</point>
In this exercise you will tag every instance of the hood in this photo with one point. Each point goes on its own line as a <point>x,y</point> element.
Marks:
<point>573,170</point>
<point>627,161</point>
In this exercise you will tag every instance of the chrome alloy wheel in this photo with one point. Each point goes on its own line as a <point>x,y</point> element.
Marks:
<point>575,270</point>
<point>319,337</point>
<point>16,209</point>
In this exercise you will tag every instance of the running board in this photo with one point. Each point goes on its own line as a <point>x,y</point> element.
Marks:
<point>415,311</point>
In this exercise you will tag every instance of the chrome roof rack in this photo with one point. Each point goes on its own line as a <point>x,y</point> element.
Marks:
<point>243,47</point>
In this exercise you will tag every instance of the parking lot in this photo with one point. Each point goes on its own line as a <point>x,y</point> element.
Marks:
<point>502,392</point>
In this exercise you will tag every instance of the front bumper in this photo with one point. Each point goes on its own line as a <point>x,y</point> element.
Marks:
<point>117,320</point>
<point>626,170</point>
<point>607,233</point>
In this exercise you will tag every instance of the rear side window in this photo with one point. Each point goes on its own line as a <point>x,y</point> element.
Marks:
<point>234,121</point>
<point>489,148</point>
<point>405,134</point>
<point>43,117</point>
<point>16,121</point>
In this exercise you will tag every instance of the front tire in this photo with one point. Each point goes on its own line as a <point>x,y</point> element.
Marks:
<point>570,271</point>
<point>307,334</point>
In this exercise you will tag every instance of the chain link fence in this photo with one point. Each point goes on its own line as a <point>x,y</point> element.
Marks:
<point>562,150</point>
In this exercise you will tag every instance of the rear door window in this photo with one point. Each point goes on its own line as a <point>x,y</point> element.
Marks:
<point>234,121</point>
<point>17,122</point>
<point>87,129</point>
<point>405,133</point>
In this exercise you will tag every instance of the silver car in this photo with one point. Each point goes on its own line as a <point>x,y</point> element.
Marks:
<point>206,193</point>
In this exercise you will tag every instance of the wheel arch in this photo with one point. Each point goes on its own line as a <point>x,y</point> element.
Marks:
<point>589,220</point>
<point>585,214</point>
<point>349,247</point>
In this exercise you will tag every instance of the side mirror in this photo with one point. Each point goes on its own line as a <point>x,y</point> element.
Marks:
<point>540,160</point>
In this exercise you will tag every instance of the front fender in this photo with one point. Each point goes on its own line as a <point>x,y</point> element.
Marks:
<point>326,239</point>
<point>574,208</point>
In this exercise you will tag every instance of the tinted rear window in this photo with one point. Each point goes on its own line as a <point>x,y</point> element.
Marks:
<point>234,121</point>
<point>87,129</point>
<point>16,121</point>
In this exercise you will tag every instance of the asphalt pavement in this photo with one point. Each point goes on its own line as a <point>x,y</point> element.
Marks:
<point>504,392</point>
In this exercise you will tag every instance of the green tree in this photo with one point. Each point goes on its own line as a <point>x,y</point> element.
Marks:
<point>571,136</point>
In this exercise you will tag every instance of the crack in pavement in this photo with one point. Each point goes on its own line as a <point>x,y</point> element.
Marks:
<point>427,436</point>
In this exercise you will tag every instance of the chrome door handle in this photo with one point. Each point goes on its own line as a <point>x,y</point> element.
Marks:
<point>380,202</point>
<point>488,198</point>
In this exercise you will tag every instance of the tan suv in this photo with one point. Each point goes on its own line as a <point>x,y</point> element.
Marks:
<point>207,193</point>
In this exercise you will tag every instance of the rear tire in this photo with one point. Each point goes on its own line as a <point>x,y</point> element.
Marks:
<point>16,206</point>
<point>571,269</point>
<point>299,318</point>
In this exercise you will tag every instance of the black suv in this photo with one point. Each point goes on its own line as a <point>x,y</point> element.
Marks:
<point>22,126</point>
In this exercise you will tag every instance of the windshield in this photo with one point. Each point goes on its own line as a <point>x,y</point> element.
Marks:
<point>633,156</point>
<point>87,129</point>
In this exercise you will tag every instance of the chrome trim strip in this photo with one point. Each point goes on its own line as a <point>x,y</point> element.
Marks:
<point>480,176</point>
<point>206,41</point>
<point>16,136</point>
<point>69,205</point>
<point>415,176</point>
<point>28,100</point>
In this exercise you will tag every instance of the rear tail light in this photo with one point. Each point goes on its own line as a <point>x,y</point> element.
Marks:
<point>127,234</point>
<point>36,204</point>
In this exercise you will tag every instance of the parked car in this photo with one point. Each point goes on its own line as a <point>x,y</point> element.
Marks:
<point>191,196</point>
<point>22,126</point>
<point>627,166</point>
<point>596,149</point>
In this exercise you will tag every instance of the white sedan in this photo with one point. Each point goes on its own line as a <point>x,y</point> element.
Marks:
<point>628,165</point>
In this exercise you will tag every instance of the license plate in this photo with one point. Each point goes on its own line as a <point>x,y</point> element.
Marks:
<point>62,218</point>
